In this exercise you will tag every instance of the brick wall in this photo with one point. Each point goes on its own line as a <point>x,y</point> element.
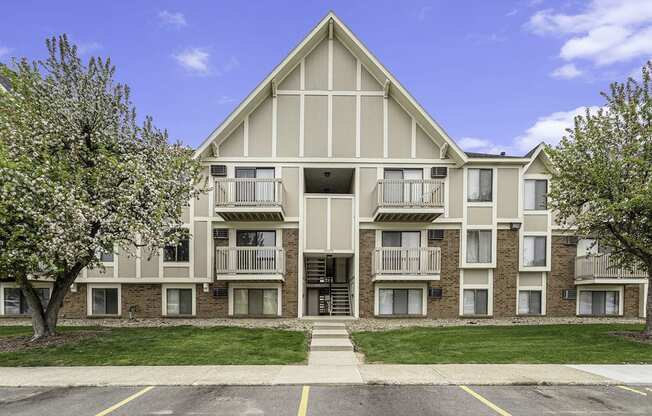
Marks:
<point>562,276</point>
<point>74,304</point>
<point>290,285</point>
<point>209,306</point>
<point>367,245</point>
<point>146,298</point>
<point>448,305</point>
<point>506,273</point>
<point>631,302</point>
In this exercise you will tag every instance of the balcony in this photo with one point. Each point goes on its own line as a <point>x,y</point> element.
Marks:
<point>400,264</point>
<point>599,268</point>
<point>409,200</point>
<point>249,199</point>
<point>249,263</point>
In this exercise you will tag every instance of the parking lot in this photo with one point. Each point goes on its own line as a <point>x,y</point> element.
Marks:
<point>328,400</point>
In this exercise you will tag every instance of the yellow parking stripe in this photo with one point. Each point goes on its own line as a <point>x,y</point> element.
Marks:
<point>303,404</point>
<point>125,401</point>
<point>632,390</point>
<point>486,402</point>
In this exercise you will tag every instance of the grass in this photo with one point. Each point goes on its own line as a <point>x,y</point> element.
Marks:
<point>532,344</point>
<point>182,345</point>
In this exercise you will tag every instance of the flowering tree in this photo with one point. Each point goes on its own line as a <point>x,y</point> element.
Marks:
<point>79,175</point>
<point>602,183</point>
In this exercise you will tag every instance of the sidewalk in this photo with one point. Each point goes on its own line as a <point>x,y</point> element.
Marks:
<point>441,374</point>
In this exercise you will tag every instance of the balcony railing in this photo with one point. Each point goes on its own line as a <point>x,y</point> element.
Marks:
<point>249,260</point>
<point>600,266</point>
<point>407,261</point>
<point>410,193</point>
<point>248,192</point>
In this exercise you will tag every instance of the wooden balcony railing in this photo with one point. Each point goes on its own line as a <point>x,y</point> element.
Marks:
<point>248,192</point>
<point>249,260</point>
<point>600,266</point>
<point>410,193</point>
<point>407,261</point>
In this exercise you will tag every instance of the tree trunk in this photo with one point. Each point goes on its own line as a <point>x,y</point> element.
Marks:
<point>648,308</point>
<point>45,319</point>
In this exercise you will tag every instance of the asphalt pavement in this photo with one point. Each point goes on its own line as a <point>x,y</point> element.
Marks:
<point>359,400</point>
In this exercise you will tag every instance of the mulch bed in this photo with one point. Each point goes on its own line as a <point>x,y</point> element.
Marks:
<point>21,343</point>
<point>634,336</point>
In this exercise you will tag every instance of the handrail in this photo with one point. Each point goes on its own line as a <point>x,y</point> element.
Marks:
<point>407,261</point>
<point>249,260</point>
<point>262,192</point>
<point>601,266</point>
<point>426,193</point>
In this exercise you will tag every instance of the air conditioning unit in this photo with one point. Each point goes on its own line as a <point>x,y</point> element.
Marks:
<point>571,240</point>
<point>435,234</point>
<point>435,292</point>
<point>569,294</point>
<point>218,170</point>
<point>220,234</point>
<point>220,292</point>
<point>438,172</point>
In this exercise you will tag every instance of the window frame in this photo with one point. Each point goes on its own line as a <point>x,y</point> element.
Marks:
<point>14,286</point>
<point>176,261</point>
<point>264,286</point>
<point>475,291</point>
<point>525,195</point>
<point>619,290</point>
<point>164,295</point>
<point>89,299</point>
<point>401,286</point>
<point>407,291</point>
<point>480,199</point>
<point>491,247</point>
<point>529,312</point>
<point>533,262</point>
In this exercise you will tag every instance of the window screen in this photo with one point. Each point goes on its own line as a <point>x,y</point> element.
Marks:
<point>105,301</point>
<point>536,191</point>
<point>480,185</point>
<point>478,246</point>
<point>534,250</point>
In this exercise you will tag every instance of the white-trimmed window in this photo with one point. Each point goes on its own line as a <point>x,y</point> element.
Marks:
<point>179,253</point>
<point>480,185</point>
<point>476,301</point>
<point>536,194</point>
<point>179,301</point>
<point>104,300</point>
<point>400,301</point>
<point>529,302</point>
<point>478,246</point>
<point>255,302</point>
<point>15,303</point>
<point>599,302</point>
<point>534,251</point>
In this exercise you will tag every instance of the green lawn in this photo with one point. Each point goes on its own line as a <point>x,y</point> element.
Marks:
<point>182,345</point>
<point>533,344</point>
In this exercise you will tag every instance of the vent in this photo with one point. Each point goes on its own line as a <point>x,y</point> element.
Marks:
<point>220,292</point>
<point>438,172</point>
<point>220,234</point>
<point>435,292</point>
<point>569,294</point>
<point>435,234</point>
<point>218,170</point>
<point>571,240</point>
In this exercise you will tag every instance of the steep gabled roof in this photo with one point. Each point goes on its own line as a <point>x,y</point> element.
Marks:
<point>366,58</point>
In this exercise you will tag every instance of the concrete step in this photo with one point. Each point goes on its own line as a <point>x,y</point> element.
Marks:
<point>328,325</point>
<point>330,333</point>
<point>331,344</point>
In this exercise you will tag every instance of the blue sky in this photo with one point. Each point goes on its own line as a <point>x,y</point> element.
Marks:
<point>497,75</point>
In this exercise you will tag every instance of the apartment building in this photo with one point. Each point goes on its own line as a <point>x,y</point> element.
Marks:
<point>333,192</point>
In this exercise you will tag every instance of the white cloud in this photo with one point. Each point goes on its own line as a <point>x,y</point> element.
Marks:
<point>549,129</point>
<point>88,47</point>
<point>567,71</point>
<point>4,51</point>
<point>511,13</point>
<point>475,144</point>
<point>225,99</point>
<point>194,60</point>
<point>177,20</point>
<point>604,32</point>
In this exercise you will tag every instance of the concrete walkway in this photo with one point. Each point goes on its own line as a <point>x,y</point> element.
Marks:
<point>318,373</point>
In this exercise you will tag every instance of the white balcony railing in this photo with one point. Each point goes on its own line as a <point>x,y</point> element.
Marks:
<point>249,260</point>
<point>601,266</point>
<point>248,192</point>
<point>410,193</point>
<point>407,261</point>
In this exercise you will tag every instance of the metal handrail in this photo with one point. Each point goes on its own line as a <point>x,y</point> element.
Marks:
<point>602,266</point>
<point>407,261</point>
<point>249,260</point>
<point>256,192</point>
<point>425,193</point>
